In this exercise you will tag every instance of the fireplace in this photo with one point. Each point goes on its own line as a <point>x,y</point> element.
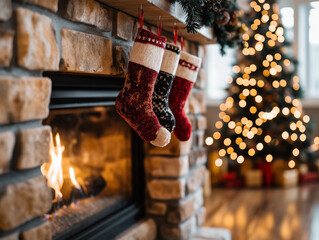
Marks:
<point>96,170</point>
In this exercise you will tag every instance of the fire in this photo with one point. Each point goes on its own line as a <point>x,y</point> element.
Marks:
<point>53,170</point>
<point>73,180</point>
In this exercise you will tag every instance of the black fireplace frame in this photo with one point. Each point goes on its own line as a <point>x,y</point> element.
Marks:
<point>71,90</point>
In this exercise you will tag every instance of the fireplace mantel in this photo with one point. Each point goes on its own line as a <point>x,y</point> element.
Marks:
<point>169,13</point>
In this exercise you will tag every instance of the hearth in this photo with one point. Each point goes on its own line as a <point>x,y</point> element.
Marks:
<point>96,170</point>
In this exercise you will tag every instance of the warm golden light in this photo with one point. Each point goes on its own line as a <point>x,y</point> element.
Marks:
<point>260,146</point>
<point>222,152</point>
<point>72,177</point>
<point>251,152</point>
<point>269,158</point>
<point>240,159</point>
<point>291,164</point>
<point>209,141</point>
<point>295,152</point>
<point>216,135</point>
<point>53,170</point>
<point>267,139</point>
<point>218,162</point>
<point>285,135</point>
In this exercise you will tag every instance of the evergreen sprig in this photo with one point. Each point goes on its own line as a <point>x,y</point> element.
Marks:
<point>209,13</point>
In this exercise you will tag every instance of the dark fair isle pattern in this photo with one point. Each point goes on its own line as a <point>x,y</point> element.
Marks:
<point>134,102</point>
<point>173,48</point>
<point>145,36</point>
<point>160,100</point>
<point>177,99</point>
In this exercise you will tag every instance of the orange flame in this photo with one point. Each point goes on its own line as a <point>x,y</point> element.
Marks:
<point>73,180</point>
<point>53,170</point>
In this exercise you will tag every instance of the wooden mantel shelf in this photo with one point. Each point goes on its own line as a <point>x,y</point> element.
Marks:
<point>169,15</point>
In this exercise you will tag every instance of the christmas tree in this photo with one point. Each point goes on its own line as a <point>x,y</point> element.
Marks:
<point>262,117</point>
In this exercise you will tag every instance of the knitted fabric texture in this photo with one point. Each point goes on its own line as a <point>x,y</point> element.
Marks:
<point>163,86</point>
<point>186,75</point>
<point>134,102</point>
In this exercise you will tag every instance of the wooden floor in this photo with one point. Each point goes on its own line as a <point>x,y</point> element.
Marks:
<point>271,214</point>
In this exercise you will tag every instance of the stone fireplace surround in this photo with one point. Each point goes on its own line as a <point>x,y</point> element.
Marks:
<point>83,37</point>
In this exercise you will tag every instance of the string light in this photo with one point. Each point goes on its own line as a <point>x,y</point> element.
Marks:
<point>269,158</point>
<point>291,164</point>
<point>295,152</point>
<point>240,159</point>
<point>222,152</point>
<point>218,162</point>
<point>209,141</point>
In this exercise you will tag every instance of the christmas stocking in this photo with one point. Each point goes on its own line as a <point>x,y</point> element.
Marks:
<point>186,75</point>
<point>163,86</point>
<point>134,102</point>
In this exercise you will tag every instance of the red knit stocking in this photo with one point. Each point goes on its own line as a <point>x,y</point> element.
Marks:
<point>134,102</point>
<point>186,75</point>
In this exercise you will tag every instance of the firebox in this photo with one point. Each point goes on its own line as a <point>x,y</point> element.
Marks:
<point>96,169</point>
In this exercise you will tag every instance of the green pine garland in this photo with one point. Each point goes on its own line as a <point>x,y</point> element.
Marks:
<point>219,14</point>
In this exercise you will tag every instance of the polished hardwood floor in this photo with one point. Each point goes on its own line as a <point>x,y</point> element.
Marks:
<point>268,214</point>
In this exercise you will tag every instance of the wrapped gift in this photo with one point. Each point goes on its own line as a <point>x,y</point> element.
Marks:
<point>308,177</point>
<point>266,169</point>
<point>231,180</point>
<point>288,178</point>
<point>254,178</point>
<point>246,166</point>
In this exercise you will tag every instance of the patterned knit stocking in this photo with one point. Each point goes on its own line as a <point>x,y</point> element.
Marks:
<point>163,86</point>
<point>186,75</point>
<point>134,102</point>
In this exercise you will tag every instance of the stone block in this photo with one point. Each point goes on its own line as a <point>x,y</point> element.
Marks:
<point>184,210</point>
<point>201,79</point>
<point>82,52</point>
<point>6,10</point>
<point>124,26</point>
<point>36,44</point>
<point>183,231</point>
<point>195,180</point>
<point>23,201</point>
<point>24,98</point>
<point>199,198</point>
<point>206,233</point>
<point>6,47</point>
<point>166,189</point>
<point>90,12</point>
<point>197,157</point>
<point>12,236</point>
<point>34,149</point>
<point>197,102</point>
<point>52,5</point>
<point>167,167</point>
<point>201,122</point>
<point>200,216</point>
<point>145,230</point>
<point>174,148</point>
<point>7,141</point>
<point>121,59</point>
<point>156,208</point>
<point>41,232</point>
<point>198,138</point>
<point>192,119</point>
